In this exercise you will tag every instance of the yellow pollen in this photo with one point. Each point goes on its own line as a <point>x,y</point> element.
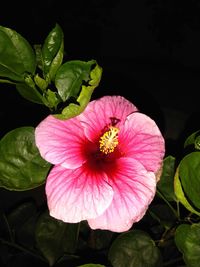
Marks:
<point>109,140</point>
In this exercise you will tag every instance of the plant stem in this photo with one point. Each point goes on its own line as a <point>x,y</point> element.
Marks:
<point>21,248</point>
<point>178,209</point>
<point>168,263</point>
<point>167,202</point>
<point>8,227</point>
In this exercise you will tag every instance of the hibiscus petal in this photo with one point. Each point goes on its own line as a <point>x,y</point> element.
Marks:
<point>76,195</point>
<point>141,139</point>
<point>104,112</point>
<point>134,188</point>
<point>61,142</point>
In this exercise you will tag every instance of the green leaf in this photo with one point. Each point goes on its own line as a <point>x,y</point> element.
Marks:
<point>163,214</point>
<point>7,81</point>
<point>99,239</point>
<point>180,236</point>
<point>134,248</point>
<point>197,142</point>
<point>187,239</point>
<point>191,140</point>
<point>166,183</point>
<point>56,62</point>
<point>40,82</point>
<point>189,170</point>
<point>52,51</point>
<point>21,166</point>
<point>52,98</point>
<point>54,237</point>
<point>91,265</point>
<point>70,76</point>
<point>83,99</point>
<point>22,220</point>
<point>38,54</point>
<point>28,93</point>
<point>20,214</point>
<point>16,55</point>
<point>181,195</point>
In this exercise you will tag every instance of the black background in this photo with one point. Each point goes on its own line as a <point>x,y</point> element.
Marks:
<point>149,52</point>
<point>148,49</point>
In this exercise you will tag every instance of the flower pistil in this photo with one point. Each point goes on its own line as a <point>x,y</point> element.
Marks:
<point>109,140</point>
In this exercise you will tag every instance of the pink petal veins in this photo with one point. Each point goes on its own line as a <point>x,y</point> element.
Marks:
<point>134,189</point>
<point>113,190</point>
<point>61,142</point>
<point>76,195</point>
<point>104,112</point>
<point>141,139</point>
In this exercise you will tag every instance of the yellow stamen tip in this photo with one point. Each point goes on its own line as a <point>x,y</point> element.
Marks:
<point>109,140</point>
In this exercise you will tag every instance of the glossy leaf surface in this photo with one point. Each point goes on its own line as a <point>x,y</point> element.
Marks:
<point>16,55</point>
<point>70,76</point>
<point>180,194</point>
<point>187,238</point>
<point>54,237</point>
<point>166,183</point>
<point>21,166</point>
<point>189,171</point>
<point>84,97</point>
<point>134,248</point>
<point>52,51</point>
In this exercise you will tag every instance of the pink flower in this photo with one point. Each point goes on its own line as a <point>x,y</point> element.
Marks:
<point>106,160</point>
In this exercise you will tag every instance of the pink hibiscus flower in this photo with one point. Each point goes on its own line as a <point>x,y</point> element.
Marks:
<point>106,161</point>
